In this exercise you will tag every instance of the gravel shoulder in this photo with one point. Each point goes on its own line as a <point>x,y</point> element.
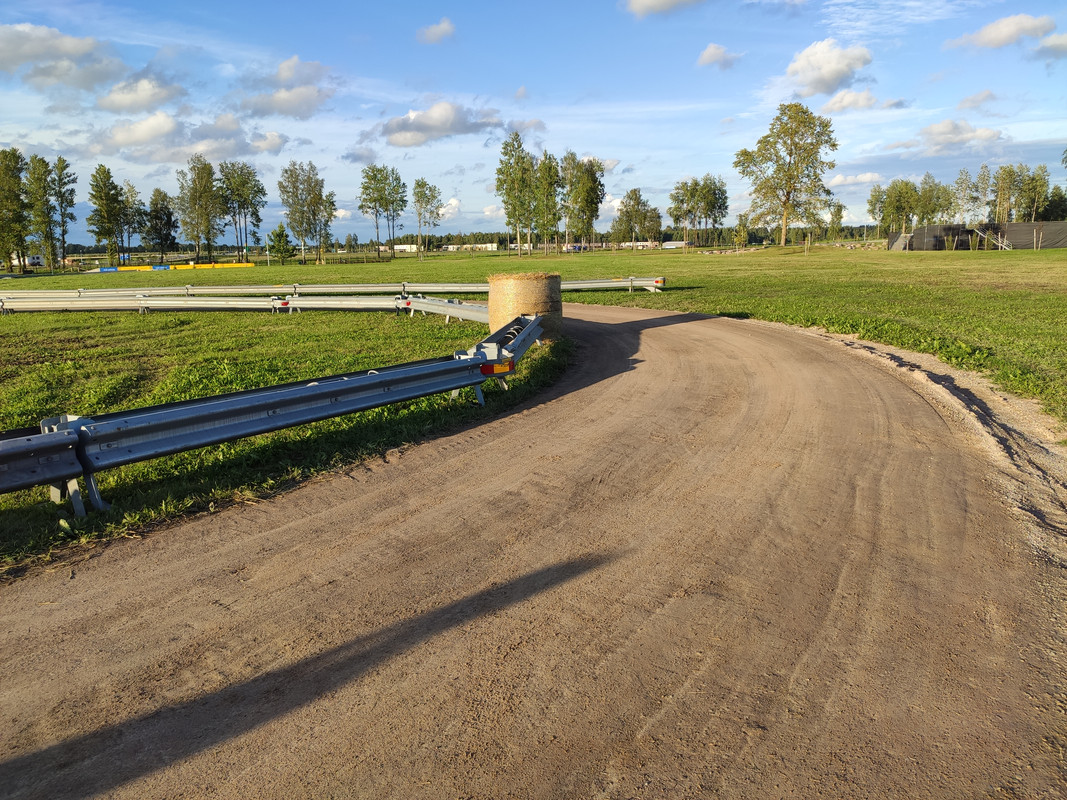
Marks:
<point>720,558</point>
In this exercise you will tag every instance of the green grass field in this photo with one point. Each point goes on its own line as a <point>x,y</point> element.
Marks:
<point>999,313</point>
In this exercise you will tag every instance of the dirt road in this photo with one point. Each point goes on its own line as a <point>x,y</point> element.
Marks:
<point>719,559</point>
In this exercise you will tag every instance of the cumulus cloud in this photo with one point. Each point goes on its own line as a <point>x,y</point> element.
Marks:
<point>143,94</point>
<point>717,54</point>
<point>342,214</point>
<point>1054,46</point>
<point>300,102</point>
<point>642,8</point>
<point>295,90</point>
<point>949,135</point>
<point>145,131</point>
<point>51,58</point>
<point>439,121</point>
<point>450,210</point>
<point>494,212</point>
<point>1005,31</point>
<point>293,72</point>
<point>847,99</point>
<point>610,164</point>
<point>162,138</point>
<point>823,67</point>
<point>855,180</point>
<point>432,34</point>
<point>270,142</point>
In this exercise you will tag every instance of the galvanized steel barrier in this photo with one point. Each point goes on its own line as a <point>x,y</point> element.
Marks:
<point>291,290</point>
<point>70,447</point>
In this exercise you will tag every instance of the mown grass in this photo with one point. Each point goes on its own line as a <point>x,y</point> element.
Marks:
<point>998,313</point>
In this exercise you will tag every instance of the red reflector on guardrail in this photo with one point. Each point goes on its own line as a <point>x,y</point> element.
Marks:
<point>498,369</point>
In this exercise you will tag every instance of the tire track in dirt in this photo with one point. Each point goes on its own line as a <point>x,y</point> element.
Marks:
<point>719,559</point>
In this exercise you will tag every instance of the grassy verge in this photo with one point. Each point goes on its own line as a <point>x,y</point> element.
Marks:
<point>86,363</point>
<point>997,313</point>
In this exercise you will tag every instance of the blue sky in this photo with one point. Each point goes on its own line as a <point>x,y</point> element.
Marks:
<point>659,90</point>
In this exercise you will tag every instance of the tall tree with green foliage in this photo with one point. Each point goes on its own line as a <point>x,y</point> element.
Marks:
<point>104,222</point>
<point>586,195</point>
<point>876,207</point>
<point>160,225</point>
<point>983,183</point>
<point>63,180</point>
<point>837,214</point>
<point>712,204</point>
<point>650,225</point>
<point>374,197</point>
<point>569,167</point>
<point>133,216</point>
<point>901,205</point>
<point>309,208</point>
<point>42,208</point>
<point>201,211</point>
<point>428,207</point>
<point>14,209</point>
<point>632,220</point>
<point>547,211</point>
<point>1033,191</point>
<point>396,200</point>
<point>244,196</point>
<point>787,166</point>
<point>515,186</point>
<point>683,208</point>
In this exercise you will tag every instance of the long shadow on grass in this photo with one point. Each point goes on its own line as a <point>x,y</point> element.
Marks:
<point>101,761</point>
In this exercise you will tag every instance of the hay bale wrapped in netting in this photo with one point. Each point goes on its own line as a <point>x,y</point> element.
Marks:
<point>526,293</point>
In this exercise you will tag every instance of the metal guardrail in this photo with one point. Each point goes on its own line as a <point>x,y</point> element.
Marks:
<point>298,289</point>
<point>71,447</point>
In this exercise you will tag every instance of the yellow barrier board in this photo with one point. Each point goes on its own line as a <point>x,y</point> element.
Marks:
<point>158,267</point>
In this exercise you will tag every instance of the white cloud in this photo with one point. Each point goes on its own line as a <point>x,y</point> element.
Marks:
<point>855,180</point>
<point>520,93</point>
<point>949,135</point>
<point>977,100</point>
<point>1054,46</point>
<point>293,73</point>
<point>450,210</point>
<point>300,102</point>
<point>295,90</point>
<point>609,164</point>
<point>342,214</point>
<point>440,120</point>
<point>643,8</point>
<point>823,67</point>
<point>1005,31</point>
<point>717,54</point>
<point>270,142</point>
<point>53,58</point>
<point>432,34</point>
<point>494,212</point>
<point>847,99</point>
<point>145,131</point>
<point>143,94</point>
<point>164,139</point>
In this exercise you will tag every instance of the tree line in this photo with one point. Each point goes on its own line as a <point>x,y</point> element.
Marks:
<point>1013,193</point>
<point>537,192</point>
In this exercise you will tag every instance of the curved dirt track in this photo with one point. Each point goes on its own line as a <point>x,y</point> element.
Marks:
<point>719,559</point>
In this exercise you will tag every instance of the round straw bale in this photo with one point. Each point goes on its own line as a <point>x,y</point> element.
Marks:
<point>526,293</point>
